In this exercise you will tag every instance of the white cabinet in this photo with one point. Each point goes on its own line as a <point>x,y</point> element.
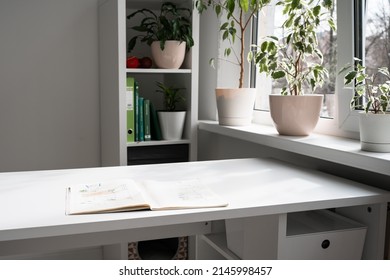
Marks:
<point>321,235</point>
<point>318,234</point>
<point>114,33</point>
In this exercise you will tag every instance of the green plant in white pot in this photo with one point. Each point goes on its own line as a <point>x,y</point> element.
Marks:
<point>372,96</point>
<point>171,120</point>
<point>235,105</point>
<point>169,33</point>
<point>297,60</point>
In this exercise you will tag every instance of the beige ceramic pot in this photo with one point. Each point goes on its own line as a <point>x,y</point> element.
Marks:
<point>171,57</point>
<point>295,115</point>
<point>235,105</point>
<point>375,132</point>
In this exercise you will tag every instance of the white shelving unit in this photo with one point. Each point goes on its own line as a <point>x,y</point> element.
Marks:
<point>114,33</point>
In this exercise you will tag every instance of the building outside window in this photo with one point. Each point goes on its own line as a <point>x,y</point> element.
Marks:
<point>377,34</point>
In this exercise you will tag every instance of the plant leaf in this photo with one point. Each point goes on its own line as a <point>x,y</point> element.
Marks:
<point>264,46</point>
<point>244,4</point>
<point>294,4</point>
<point>316,10</point>
<point>278,75</point>
<point>230,6</point>
<point>349,77</point>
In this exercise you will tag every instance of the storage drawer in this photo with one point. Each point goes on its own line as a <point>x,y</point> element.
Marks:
<point>157,154</point>
<point>321,235</point>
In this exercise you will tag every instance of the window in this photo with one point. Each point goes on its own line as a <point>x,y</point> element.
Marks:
<point>370,39</point>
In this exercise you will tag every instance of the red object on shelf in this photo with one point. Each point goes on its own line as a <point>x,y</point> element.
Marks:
<point>132,62</point>
<point>146,62</point>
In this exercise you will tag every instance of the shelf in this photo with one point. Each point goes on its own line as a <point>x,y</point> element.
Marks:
<point>157,71</point>
<point>149,4</point>
<point>157,143</point>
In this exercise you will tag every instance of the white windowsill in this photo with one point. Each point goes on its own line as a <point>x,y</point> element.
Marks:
<point>334,149</point>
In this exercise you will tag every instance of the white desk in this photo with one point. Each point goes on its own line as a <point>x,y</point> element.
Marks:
<point>32,204</point>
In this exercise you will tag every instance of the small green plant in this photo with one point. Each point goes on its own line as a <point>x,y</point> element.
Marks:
<point>173,23</point>
<point>237,15</point>
<point>172,96</point>
<point>372,91</point>
<point>296,57</point>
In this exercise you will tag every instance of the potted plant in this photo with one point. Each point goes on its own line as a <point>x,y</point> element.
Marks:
<point>171,120</point>
<point>372,94</point>
<point>298,62</point>
<point>169,34</point>
<point>234,105</point>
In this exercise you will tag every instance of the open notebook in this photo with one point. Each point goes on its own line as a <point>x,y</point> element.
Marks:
<point>129,195</point>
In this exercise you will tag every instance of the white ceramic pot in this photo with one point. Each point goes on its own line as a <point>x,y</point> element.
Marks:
<point>295,115</point>
<point>235,105</point>
<point>171,57</point>
<point>172,124</point>
<point>375,132</point>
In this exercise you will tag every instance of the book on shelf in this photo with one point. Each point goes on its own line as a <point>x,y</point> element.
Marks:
<point>130,114</point>
<point>154,124</point>
<point>141,125</point>
<point>147,132</point>
<point>136,111</point>
<point>142,118</point>
<point>129,195</point>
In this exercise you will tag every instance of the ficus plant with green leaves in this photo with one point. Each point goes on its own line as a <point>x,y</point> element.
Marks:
<point>296,57</point>
<point>372,91</point>
<point>172,96</point>
<point>236,18</point>
<point>173,23</point>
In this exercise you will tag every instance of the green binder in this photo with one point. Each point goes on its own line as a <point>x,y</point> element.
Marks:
<point>130,109</point>
<point>136,110</point>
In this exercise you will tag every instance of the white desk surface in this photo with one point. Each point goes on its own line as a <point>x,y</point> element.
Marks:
<point>32,204</point>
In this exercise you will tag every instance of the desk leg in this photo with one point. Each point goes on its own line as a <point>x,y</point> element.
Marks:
<point>374,217</point>
<point>254,238</point>
<point>116,251</point>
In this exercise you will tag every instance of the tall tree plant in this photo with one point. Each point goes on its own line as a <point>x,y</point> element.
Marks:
<point>296,57</point>
<point>236,18</point>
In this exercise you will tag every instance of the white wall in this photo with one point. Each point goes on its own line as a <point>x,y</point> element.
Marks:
<point>49,95</point>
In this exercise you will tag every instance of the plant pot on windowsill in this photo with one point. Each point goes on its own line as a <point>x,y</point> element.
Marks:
<point>296,60</point>
<point>171,57</point>
<point>375,132</point>
<point>295,115</point>
<point>235,105</point>
<point>372,94</point>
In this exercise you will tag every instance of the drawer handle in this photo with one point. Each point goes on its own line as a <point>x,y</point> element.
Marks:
<point>325,244</point>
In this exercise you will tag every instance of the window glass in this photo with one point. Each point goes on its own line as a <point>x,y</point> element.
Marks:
<point>377,34</point>
<point>270,21</point>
